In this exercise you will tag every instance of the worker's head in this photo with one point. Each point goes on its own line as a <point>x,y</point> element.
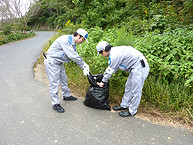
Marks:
<point>103,48</point>
<point>80,35</point>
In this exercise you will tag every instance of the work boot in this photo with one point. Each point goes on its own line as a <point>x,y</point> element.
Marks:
<point>118,108</point>
<point>125,113</point>
<point>58,108</point>
<point>71,98</point>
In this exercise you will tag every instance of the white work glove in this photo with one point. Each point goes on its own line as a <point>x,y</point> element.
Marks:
<point>86,72</point>
<point>86,69</point>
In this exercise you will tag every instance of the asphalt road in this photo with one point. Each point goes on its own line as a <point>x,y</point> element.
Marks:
<point>26,115</point>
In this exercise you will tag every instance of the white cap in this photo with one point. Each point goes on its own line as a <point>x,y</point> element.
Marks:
<point>83,33</point>
<point>101,46</point>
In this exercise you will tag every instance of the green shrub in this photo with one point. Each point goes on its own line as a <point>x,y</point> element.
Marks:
<point>170,54</point>
<point>170,58</point>
<point>6,29</point>
<point>3,39</point>
<point>13,36</point>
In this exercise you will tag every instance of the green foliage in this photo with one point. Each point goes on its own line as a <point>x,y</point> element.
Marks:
<point>170,58</point>
<point>103,13</point>
<point>69,28</point>
<point>107,14</point>
<point>3,39</point>
<point>187,13</point>
<point>125,38</point>
<point>161,30</point>
<point>6,28</point>
<point>169,54</point>
<point>168,98</point>
<point>13,36</point>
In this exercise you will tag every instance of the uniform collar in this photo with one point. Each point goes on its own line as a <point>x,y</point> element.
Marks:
<point>109,62</point>
<point>73,43</point>
<point>110,52</point>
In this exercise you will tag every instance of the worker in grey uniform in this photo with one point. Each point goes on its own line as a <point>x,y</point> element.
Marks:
<point>63,50</point>
<point>125,58</point>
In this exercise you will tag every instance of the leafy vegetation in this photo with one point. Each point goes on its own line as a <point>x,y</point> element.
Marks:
<point>143,14</point>
<point>7,37</point>
<point>169,56</point>
<point>161,29</point>
<point>10,33</point>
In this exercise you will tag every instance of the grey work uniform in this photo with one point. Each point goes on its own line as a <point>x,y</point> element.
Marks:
<point>63,49</point>
<point>127,58</point>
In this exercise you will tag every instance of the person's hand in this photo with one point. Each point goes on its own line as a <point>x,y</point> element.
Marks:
<point>101,84</point>
<point>85,72</point>
<point>86,69</point>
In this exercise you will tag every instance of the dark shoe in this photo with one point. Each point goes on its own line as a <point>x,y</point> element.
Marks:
<point>118,108</point>
<point>125,113</point>
<point>71,98</point>
<point>58,108</point>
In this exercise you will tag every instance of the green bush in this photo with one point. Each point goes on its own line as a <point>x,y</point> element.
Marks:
<point>170,58</point>
<point>6,29</point>
<point>3,39</point>
<point>107,14</point>
<point>13,36</point>
<point>170,54</point>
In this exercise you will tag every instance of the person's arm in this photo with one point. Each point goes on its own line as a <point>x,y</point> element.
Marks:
<point>108,73</point>
<point>112,68</point>
<point>72,54</point>
<point>106,76</point>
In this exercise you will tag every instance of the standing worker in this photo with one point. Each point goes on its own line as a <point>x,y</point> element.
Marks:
<point>125,58</point>
<point>63,49</point>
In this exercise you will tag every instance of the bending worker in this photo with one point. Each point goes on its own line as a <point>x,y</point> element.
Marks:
<point>63,50</point>
<point>125,58</point>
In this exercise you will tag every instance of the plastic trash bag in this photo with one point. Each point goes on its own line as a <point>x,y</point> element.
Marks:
<point>97,97</point>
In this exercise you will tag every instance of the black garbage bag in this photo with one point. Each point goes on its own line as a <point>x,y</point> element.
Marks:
<point>97,97</point>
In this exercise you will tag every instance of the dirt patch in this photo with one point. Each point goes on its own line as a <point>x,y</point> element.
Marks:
<point>40,73</point>
<point>148,115</point>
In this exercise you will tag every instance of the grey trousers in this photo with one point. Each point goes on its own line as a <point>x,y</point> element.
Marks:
<point>56,76</point>
<point>134,86</point>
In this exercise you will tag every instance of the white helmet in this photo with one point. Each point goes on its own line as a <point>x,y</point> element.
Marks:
<point>83,33</point>
<point>101,46</point>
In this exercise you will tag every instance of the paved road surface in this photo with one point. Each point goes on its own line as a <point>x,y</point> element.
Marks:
<point>26,115</point>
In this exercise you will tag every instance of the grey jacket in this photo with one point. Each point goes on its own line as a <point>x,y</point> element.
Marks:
<point>63,49</point>
<point>121,58</point>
